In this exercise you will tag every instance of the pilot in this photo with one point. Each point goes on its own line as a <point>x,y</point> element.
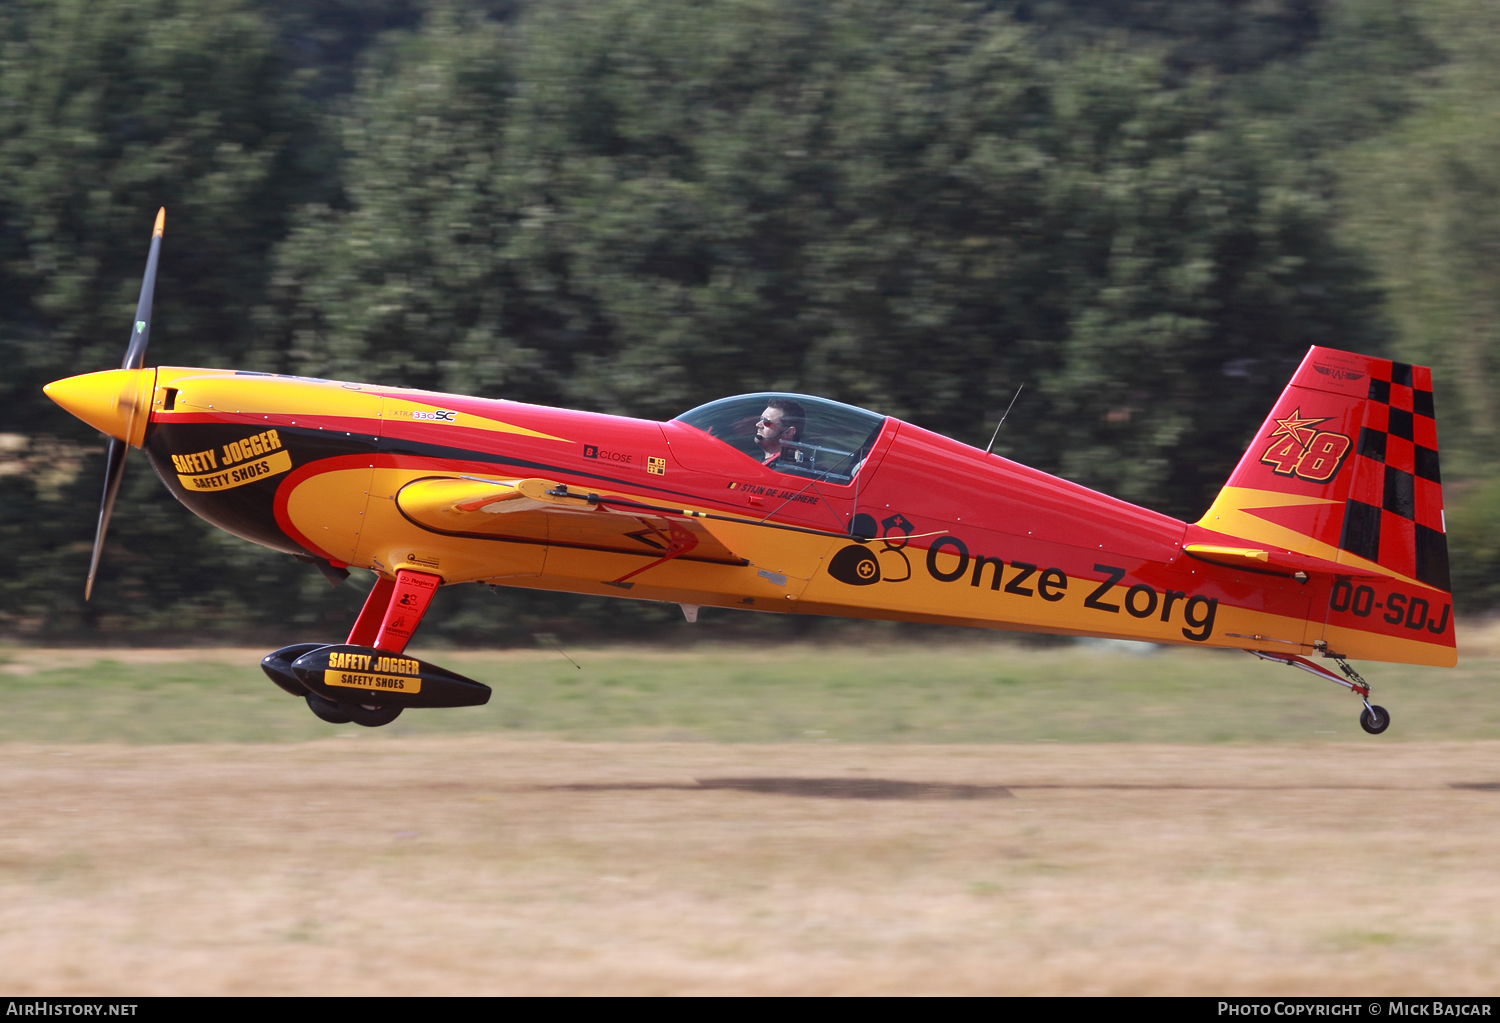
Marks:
<point>783,420</point>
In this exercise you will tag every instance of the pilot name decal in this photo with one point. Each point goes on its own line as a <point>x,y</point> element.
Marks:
<point>1296,449</point>
<point>775,493</point>
<point>261,454</point>
<point>857,565</point>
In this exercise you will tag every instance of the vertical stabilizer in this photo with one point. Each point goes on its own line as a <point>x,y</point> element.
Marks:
<point>1345,468</point>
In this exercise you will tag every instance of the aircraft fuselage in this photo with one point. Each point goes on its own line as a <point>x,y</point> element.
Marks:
<point>928,529</point>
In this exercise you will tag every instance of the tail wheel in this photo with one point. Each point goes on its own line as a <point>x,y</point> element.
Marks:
<point>333,713</point>
<point>370,717</point>
<point>1374,719</point>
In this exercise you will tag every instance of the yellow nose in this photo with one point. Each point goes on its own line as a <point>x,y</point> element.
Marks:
<point>116,401</point>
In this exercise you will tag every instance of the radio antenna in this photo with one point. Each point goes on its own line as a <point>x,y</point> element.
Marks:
<point>551,640</point>
<point>1002,420</point>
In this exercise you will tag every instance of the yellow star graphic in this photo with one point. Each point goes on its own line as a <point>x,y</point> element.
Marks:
<point>1296,427</point>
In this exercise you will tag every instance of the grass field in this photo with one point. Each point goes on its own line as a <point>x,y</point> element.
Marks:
<point>979,691</point>
<point>961,818</point>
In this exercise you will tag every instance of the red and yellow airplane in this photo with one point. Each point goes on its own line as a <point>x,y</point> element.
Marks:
<point>1328,540</point>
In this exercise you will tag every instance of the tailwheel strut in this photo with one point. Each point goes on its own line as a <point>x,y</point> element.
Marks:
<point>1373,719</point>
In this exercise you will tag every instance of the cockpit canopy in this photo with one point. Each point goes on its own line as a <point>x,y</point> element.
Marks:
<point>831,442</point>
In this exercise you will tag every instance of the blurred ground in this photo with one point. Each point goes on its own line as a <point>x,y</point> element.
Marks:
<point>853,819</point>
<point>483,864</point>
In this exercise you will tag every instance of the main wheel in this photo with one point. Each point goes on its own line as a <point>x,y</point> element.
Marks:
<point>333,713</point>
<point>370,717</point>
<point>1374,719</point>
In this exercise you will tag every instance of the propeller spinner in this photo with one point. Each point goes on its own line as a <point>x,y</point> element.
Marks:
<point>117,402</point>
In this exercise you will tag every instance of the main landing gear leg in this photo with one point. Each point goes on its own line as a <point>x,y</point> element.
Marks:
<point>1373,719</point>
<point>392,612</point>
<point>367,625</point>
<point>409,596</point>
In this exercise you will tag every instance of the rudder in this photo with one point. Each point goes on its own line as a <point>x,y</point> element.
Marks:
<point>1345,468</point>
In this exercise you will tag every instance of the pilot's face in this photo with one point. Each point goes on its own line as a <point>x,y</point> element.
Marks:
<point>769,430</point>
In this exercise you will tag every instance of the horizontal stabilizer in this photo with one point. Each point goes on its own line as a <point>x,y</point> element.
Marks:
<point>1279,562</point>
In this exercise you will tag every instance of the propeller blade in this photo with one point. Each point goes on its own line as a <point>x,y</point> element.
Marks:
<point>114,472</point>
<point>135,358</point>
<point>140,329</point>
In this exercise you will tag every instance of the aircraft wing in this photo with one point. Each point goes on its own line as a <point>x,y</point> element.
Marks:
<point>537,510</point>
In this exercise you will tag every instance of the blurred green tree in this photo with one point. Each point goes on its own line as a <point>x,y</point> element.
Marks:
<point>107,111</point>
<point>1423,199</point>
<point>903,207</point>
<point>408,282</point>
<point>1143,210</point>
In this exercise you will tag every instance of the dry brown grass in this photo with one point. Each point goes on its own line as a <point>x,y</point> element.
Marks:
<point>491,865</point>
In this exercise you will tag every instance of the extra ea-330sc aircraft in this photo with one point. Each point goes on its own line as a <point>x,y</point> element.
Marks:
<point>1328,540</point>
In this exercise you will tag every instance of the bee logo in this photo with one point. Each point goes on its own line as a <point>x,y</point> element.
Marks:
<point>855,565</point>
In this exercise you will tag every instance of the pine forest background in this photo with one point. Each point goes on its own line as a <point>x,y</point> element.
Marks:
<point>1146,210</point>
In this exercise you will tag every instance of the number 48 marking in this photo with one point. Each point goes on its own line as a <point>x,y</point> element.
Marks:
<point>1317,462</point>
